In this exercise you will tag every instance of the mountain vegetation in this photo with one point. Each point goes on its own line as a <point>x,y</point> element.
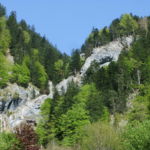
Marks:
<point>36,60</point>
<point>95,116</point>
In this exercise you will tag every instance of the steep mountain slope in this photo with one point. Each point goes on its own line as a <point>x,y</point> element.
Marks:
<point>103,55</point>
<point>18,104</point>
<point>98,91</point>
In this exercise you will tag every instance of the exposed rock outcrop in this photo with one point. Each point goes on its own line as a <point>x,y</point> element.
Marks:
<point>13,96</point>
<point>107,53</point>
<point>62,86</point>
<point>18,104</point>
<point>103,55</point>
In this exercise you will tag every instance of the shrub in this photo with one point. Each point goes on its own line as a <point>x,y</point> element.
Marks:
<point>27,136</point>
<point>137,136</point>
<point>21,75</point>
<point>8,141</point>
<point>100,136</point>
<point>54,146</point>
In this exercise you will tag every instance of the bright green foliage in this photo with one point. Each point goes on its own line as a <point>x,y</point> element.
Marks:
<point>25,41</point>
<point>95,105</point>
<point>106,115</point>
<point>75,112</point>
<point>113,84</point>
<point>51,111</point>
<point>4,70</point>
<point>58,65</point>
<point>61,104</point>
<point>84,94</point>
<point>26,61</point>
<point>4,35</point>
<point>21,74</point>
<point>141,52</point>
<point>43,134</point>
<point>38,73</point>
<point>137,136</point>
<point>59,69</point>
<point>139,111</point>
<point>35,54</point>
<point>118,79</point>
<point>68,114</point>
<point>128,24</point>
<point>45,109</point>
<point>8,141</point>
<point>125,25</point>
<point>40,76</point>
<point>130,68</point>
<point>90,98</point>
<point>26,37</point>
<point>43,128</point>
<point>64,103</point>
<point>100,136</point>
<point>140,105</point>
<point>105,90</point>
<point>129,64</point>
<point>70,125</point>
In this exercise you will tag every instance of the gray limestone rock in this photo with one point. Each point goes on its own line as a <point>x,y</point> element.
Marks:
<point>18,104</point>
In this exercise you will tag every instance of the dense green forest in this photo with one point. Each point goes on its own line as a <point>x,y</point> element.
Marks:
<point>86,117</point>
<point>36,60</point>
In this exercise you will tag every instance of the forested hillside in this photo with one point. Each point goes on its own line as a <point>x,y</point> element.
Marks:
<point>102,113</point>
<point>36,60</point>
<point>109,110</point>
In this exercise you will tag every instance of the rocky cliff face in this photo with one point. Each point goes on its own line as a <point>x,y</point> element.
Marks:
<point>107,53</point>
<point>18,104</point>
<point>103,55</point>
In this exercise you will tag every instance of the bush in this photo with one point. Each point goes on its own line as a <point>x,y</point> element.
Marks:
<point>28,138</point>
<point>101,137</point>
<point>43,127</point>
<point>21,75</point>
<point>8,141</point>
<point>137,136</point>
<point>39,76</point>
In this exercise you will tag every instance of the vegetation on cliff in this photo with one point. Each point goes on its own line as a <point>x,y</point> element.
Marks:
<point>96,115</point>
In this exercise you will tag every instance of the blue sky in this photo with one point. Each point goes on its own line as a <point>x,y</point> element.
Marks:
<point>67,23</point>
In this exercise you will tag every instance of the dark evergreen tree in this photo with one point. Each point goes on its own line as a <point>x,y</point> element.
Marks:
<point>75,64</point>
<point>13,27</point>
<point>2,10</point>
